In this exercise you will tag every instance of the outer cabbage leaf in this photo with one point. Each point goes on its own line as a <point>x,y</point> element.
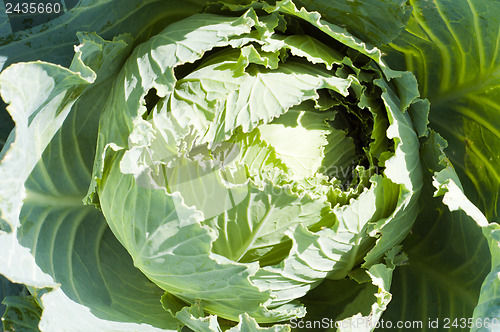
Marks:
<point>18,310</point>
<point>375,22</point>
<point>22,314</point>
<point>8,288</point>
<point>452,48</point>
<point>60,243</point>
<point>448,253</point>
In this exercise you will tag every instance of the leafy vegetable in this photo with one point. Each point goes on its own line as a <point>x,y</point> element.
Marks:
<point>252,166</point>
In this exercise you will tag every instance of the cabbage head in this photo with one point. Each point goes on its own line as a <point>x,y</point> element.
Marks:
<point>252,165</point>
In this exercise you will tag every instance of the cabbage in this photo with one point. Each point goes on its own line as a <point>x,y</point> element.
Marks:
<point>252,166</point>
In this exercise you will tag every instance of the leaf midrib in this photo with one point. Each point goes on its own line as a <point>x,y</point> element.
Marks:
<point>255,235</point>
<point>71,200</point>
<point>480,83</point>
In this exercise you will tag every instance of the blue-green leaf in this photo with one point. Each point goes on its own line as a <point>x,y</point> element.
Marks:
<point>22,314</point>
<point>452,47</point>
<point>448,254</point>
<point>60,243</point>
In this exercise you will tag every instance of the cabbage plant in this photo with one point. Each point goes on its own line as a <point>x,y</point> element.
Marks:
<point>252,165</point>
